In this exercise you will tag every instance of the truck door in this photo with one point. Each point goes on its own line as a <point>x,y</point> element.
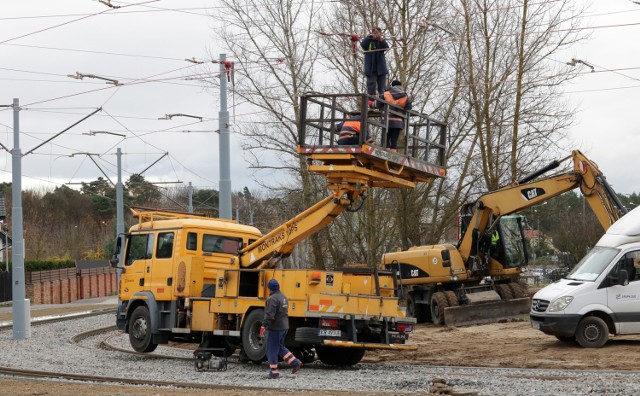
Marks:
<point>160,275</point>
<point>623,300</point>
<point>136,264</point>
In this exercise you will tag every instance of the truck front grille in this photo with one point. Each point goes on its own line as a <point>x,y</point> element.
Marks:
<point>538,305</point>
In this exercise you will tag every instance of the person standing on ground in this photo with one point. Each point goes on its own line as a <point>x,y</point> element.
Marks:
<point>375,63</point>
<point>276,325</point>
<point>400,102</point>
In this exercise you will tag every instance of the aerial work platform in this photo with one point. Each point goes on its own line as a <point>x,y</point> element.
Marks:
<point>420,156</point>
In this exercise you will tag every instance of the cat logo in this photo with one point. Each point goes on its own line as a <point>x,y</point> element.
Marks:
<point>531,193</point>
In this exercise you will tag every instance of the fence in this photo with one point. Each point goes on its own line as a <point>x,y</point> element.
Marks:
<point>62,285</point>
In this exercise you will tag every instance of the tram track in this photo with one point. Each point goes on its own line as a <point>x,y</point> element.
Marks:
<point>168,365</point>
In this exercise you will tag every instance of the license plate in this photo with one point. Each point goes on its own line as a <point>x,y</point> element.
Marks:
<point>535,325</point>
<point>330,333</point>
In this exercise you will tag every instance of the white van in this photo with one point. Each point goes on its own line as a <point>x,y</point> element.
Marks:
<point>601,296</point>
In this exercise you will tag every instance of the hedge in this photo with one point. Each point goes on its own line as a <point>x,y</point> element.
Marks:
<point>42,265</point>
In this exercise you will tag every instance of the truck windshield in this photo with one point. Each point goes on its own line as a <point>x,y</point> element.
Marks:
<point>592,265</point>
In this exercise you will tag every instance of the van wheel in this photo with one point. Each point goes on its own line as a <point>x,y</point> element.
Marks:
<point>438,304</point>
<point>592,332</point>
<point>254,346</point>
<point>140,335</point>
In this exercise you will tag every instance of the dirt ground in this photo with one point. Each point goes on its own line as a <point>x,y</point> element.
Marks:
<point>509,344</point>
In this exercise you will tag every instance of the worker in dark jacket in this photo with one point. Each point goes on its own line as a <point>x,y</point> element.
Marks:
<point>276,325</point>
<point>349,132</point>
<point>400,102</point>
<point>375,63</point>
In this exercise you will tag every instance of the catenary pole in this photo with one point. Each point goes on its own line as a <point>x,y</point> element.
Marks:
<point>119,214</point>
<point>225,146</point>
<point>190,192</point>
<point>21,306</point>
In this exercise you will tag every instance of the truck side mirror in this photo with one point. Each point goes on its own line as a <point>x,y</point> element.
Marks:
<point>115,258</point>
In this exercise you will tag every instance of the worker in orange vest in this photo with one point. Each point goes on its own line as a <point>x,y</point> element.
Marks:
<point>399,103</point>
<point>349,132</point>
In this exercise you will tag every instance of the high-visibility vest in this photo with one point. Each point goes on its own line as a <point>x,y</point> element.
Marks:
<point>349,129</point>
<point>401,102</point>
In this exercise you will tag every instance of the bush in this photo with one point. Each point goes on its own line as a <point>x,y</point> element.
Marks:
<point>44,265</point>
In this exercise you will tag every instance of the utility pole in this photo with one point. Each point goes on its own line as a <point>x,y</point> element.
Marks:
<point>21,305</point>
<point>119,215</point>
<point>225,147</point>
<point>190,193</point>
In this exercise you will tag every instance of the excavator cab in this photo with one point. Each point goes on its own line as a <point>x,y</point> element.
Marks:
<point>511,251</point>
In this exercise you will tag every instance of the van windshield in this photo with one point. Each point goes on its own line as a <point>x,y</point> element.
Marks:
<point>592,265</point>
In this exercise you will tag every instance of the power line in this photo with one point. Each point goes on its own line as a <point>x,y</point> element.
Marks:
<point>68,22</point>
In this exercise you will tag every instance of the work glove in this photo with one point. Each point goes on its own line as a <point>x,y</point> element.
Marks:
<point>261,331</point>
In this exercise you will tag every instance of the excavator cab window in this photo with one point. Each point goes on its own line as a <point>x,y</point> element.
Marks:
<point>511,250</point>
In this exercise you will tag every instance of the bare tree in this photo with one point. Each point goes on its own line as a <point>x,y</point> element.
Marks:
<point>511,81</point>
<point>274,53</point>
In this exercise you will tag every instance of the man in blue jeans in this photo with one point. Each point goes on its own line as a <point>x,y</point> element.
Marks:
<point>276,325</point>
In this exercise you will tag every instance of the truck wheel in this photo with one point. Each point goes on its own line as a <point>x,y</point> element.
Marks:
<point>592,332</point>
<point>254,346</point>
<point>438,304</point>
<point>308,336</point>
<point>342,357</point>
<point>504,291</point>
<point>140,330</point>
<point>452,299</point>
<point>411,307</point>
<point>516,290</point>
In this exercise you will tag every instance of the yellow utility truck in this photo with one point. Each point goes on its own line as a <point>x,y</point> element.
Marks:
<point>195,279</point>
<point>447,284</point>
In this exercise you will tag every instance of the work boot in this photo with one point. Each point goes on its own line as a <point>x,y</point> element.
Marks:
<point>273,376</point>
<point>296,366</point>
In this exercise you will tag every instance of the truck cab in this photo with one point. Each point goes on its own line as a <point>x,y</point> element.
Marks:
<point>601,296</point>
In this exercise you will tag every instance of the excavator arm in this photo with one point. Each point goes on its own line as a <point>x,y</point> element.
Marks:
<point>528,192</point>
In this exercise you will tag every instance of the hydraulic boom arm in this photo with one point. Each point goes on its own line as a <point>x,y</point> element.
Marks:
<point>281,241</point>
<point>526,193</point>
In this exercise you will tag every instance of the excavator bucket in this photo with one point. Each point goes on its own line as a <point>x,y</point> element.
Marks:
<point>487,312</point>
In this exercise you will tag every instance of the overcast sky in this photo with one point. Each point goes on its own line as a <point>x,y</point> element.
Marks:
<point>145,47</point>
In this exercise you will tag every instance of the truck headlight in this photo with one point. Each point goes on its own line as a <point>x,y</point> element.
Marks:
<point>560,304</point>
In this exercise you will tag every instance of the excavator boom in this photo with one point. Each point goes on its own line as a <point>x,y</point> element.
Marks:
<point>475,281</point>
<point>526,193</point>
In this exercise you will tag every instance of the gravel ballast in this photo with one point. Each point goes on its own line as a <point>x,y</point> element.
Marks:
<point>49,349</point>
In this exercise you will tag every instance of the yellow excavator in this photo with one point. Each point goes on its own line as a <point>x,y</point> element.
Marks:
<point>475,281</point>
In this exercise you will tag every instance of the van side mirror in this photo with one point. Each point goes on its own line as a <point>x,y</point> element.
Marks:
<point>623,278</point>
